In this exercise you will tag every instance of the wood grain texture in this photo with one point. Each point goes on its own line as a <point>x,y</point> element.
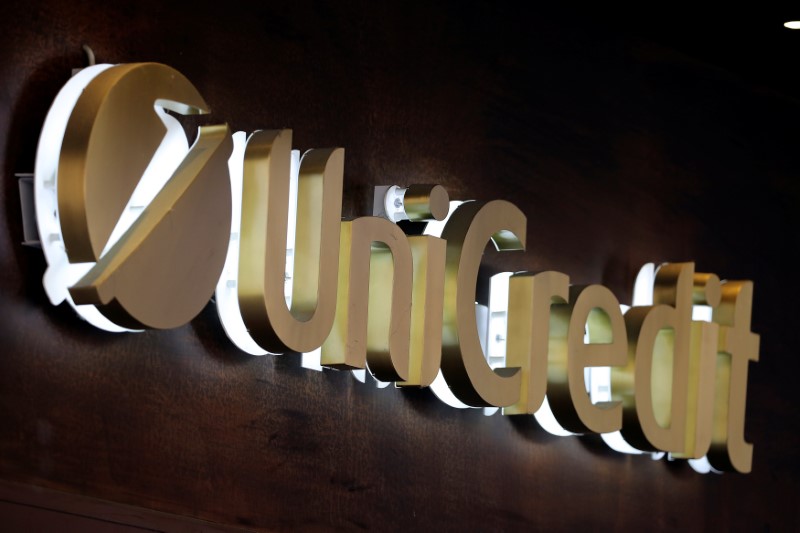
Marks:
<point>620,152</point>
<point>33,508</point>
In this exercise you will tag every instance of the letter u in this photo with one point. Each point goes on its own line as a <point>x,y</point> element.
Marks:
<point>303,326</point>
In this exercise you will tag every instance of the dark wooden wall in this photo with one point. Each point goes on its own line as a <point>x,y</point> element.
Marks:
<point>619,150</point>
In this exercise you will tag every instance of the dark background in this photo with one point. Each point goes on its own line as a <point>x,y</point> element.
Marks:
<point>625,136</point>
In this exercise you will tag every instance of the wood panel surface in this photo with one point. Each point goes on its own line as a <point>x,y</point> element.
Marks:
<point>619,150</point>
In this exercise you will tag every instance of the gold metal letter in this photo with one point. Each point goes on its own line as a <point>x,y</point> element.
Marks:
<point>464,366</point>
<point>427,298</point>
<point>426,202</point>
<point>99,166</point>
<point>373,319</point>
<point>530,297</point>
<point>702,362</point>
<point>262,261</point>
<point>737,347</point>
<point>163,269</point>
<point>594,307</point>
<point>658,351</point>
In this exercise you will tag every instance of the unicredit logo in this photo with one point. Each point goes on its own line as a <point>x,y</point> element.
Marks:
<point>140,230</point>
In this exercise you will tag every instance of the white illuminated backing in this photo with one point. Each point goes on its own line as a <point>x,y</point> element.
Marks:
<point>702,313</point>
<point>792,24</point>
<point>492,330</point>
<point>60,273</point>
<point>703,466</point>
<point>491,322</point>
<point>600,377</point>
<point>597,379</point>
<point>495,348</point>
<point>439,385</point>
<point>492,325</point>
<point>168,156</point>
<point>226,294</point>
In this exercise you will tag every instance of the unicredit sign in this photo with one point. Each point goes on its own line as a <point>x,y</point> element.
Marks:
<point>140,229</point>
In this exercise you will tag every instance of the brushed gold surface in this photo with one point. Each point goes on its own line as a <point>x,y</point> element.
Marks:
<point>163,270</point>
<point>737,347</point>
<point>593,309</point>
<point>654,384</point>
<point>530,330</point>
<point>427,302</point>
<point>373,314</point>
<point>110,138</point>
<point>426,202</point>
<point>265,210</point>
<point>464,366</point>
<point>700,400</point>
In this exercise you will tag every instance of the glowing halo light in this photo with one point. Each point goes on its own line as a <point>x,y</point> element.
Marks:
<point>642,295</point>
<point>439,385</point>
<point>792,25</point>
<point>226,293</point>
<point>60,273</point>
<point>598,379</point>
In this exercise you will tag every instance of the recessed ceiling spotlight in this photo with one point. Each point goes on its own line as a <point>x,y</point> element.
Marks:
<point>792,24</point>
